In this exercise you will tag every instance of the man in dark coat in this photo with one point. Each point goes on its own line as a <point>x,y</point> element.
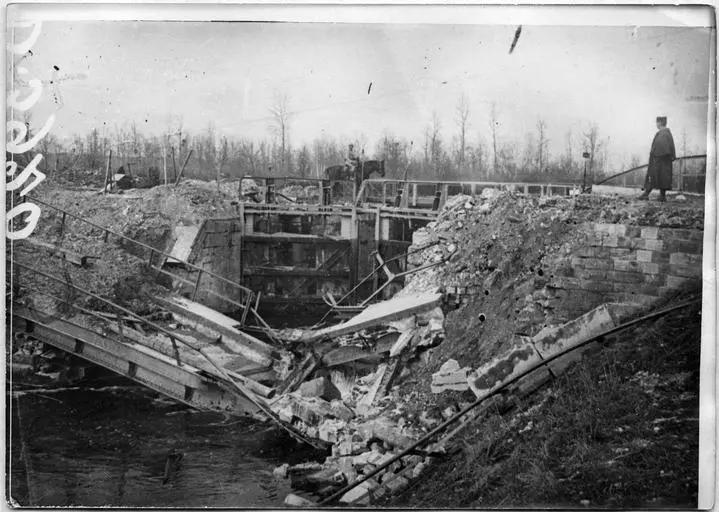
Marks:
<point>661,156</point>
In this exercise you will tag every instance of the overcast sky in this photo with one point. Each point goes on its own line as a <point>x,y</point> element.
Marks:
<point>621,78</point>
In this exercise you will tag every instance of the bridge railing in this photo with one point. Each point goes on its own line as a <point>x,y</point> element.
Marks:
<point>688,175</point>
<point>295,190</point>
<point>427,194</point>
<point>246,299</point>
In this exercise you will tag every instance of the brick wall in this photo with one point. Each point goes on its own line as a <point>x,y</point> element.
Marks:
<point>616,263</point>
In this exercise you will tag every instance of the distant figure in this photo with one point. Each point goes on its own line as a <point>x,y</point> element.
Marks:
<point>352,162</point>
<point>661,156</point>
<point>249,189</point>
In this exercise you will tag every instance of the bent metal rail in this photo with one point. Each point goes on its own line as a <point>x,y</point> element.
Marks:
<point>248,305</point>
<point>219,390</point>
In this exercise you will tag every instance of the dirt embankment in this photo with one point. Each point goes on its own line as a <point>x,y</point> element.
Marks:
<point>116,268</point>
<point>621,430</point>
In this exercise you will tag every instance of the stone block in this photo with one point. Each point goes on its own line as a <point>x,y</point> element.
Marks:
<point>625,277</point>
<point>612,229</point>
<point>650,244</point>
<point>652,268</point>
<point>644,255</point>
<point>679,283</point>
<point>592,263</point>
<point>685,270</point>
<point>650,233</point>
<point>597,286</point>
<point>683,258</point>
<point>633,232</point>
<point>688,246</point>
<point>681,234</point>
<point>624,265</point>
<point>647,289</point>
<point>589,275</point>
<point>660,257</point>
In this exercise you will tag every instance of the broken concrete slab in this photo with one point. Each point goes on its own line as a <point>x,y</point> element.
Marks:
<point>552,340</point>
<point>185,237</point>
<point>502,369</point>
<point>450,379</point>
<point>378,314</point>
<point>401,343</point>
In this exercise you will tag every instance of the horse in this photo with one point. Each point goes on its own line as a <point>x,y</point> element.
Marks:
<point>342,173</point>
<point>337,173</point>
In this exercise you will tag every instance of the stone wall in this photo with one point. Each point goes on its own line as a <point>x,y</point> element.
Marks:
<point>614,263</point>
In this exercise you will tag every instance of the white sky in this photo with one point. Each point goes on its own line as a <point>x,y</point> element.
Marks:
<point>227,73</point>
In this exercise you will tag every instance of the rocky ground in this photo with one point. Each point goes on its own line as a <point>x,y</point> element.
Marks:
<point>116,268</point>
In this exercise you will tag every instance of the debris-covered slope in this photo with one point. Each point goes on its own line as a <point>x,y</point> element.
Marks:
<point>517,268</point>
<point>116,268</point>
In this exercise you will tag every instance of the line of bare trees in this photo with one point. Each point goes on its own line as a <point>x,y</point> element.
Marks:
<point>457,152</point>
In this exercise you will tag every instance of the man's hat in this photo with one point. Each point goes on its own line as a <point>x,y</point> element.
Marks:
<point>662,119</point>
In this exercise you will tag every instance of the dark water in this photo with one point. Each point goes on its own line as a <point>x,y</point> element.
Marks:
<point>108,445</point>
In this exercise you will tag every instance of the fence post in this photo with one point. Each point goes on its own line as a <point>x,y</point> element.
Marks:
<point>107,171</point>
<point>197,284</point>
<point>62,225</point>
<point>119,328</point>
<point>682,169</point>
<point>176,350</point>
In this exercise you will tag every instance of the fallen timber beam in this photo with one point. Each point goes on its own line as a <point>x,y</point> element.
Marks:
<point>239,389</point>
<point>500,386</point>
<point>164,345</point>
<point>377,314</point>
<point>236,341</point>
<point>137,362</point>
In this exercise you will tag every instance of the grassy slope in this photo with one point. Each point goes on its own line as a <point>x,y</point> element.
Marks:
<point>619,429</point>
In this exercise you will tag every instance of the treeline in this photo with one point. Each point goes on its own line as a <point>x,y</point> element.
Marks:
<point>460,151</point>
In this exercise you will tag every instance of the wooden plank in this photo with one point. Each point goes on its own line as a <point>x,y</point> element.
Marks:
<point>236,341</point>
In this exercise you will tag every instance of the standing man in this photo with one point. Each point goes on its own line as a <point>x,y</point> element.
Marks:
<point>352,161</point>
<point>661,156</point>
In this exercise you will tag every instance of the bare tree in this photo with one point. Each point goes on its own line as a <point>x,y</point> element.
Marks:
<point>462,111</point>
<point>542,142</point>
<point>493,123</point>
<point>281,117</point>
<point>592,143</point>
<point>435,143</point>
<point>568,152</point>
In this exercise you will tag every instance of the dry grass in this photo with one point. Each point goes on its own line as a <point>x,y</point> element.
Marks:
<point>619,429</point>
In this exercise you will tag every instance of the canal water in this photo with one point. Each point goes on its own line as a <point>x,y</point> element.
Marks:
<point>108,444</point>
